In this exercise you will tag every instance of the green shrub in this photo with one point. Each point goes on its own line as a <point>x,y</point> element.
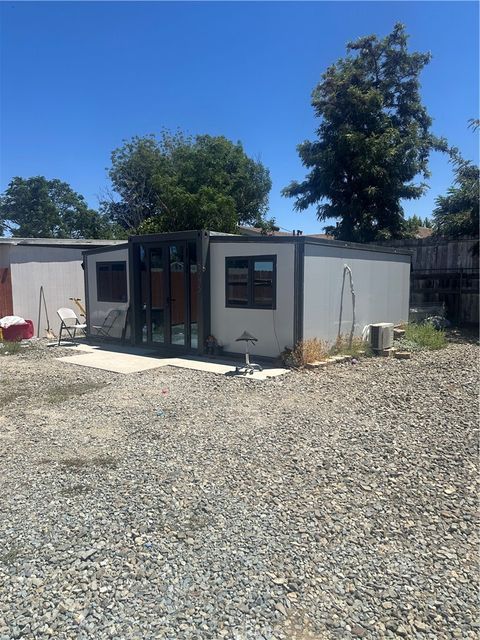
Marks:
<point>425,336</point>
<point>402,344</point>
<point>9,348</point>
<point>357,349</point>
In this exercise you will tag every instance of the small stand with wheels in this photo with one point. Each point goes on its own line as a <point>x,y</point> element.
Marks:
<point>249,367</point>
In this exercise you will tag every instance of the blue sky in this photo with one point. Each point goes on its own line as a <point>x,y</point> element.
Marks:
<point>77,78</point>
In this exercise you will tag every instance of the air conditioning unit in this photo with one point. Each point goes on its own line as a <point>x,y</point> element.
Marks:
<point>381,336</point>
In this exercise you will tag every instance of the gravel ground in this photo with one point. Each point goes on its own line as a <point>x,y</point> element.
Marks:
<point>178,504</point>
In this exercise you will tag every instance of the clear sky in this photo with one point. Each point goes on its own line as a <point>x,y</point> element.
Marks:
<point>77,78</point>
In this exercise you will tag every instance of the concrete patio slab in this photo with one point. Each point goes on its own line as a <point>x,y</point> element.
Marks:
<point>122,362</point>
<point>84,347</point>
<point>114,361</point>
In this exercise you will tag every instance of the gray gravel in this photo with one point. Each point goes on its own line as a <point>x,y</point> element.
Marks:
<point>176,504</point>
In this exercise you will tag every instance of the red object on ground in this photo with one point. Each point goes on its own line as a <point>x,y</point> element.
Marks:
<point>18,332</point>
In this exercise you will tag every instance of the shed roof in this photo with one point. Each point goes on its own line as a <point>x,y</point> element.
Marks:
<point>423,232</point>
<point>318,239</point>
<point>59,242</point>
<point>255,238</point>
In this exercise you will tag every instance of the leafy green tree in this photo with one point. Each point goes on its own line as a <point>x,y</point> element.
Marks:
<point>40,208</point>
<point>205,209</point>
<point>411,226</point>
<point>176,182</point>
<point>374,139</point>
<point>457,213</point>
<point>134,167</point>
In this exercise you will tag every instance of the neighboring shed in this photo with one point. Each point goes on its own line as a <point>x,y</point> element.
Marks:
<point>182,287</point>
<point>26,264</point>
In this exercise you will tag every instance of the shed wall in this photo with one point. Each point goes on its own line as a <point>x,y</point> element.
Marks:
<point>97,311</point>
<point>57,269</point>
<point>273,328</point>
<point>381,283</point>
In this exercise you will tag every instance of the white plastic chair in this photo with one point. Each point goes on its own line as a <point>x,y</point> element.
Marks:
<point>69,323</point>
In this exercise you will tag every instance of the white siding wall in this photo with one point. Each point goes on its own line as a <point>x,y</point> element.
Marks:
<point>97,311</point>
<point>57,269</point>
<point>381,282</point>
<point>227,323</point>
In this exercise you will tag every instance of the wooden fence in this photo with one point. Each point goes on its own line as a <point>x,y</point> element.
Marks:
<point>445,272</point>
<point>6,302</point>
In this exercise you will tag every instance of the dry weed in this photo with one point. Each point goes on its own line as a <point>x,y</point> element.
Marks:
<point>311,350</point>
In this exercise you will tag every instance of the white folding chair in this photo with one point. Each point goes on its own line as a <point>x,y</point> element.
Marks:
<point>69,323</point>
<point>103,330</point>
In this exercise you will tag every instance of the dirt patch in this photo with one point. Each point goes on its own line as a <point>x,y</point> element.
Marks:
<point>75,490</point>
<point>7,398</point>
<point>64,392</point>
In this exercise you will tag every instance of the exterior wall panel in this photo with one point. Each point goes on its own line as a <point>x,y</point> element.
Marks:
<point>97,311</point>
<point>381,283</point>
<point>272,327</point>
<point>57,269</point>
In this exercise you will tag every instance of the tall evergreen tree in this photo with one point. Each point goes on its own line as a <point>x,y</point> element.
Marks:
<point>457,213</point>
<point>373,141</point>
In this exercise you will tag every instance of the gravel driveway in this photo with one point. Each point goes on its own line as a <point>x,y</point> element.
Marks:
<point>178,504</point>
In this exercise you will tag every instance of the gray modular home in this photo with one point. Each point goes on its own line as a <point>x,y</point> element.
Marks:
<point>172,291</point>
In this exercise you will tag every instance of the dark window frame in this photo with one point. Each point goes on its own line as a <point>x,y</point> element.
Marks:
<point>251,304</point>
<point>111,297</point>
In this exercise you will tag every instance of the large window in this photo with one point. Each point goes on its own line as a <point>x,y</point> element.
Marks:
<point>250,282</point>
<point>111,282</point>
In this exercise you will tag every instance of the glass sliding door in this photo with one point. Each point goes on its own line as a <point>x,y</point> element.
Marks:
<point>157,295</point>
<point>168,294</point>
<point>144,297</point>
<point>177,299</point>
<point>193,294</point>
